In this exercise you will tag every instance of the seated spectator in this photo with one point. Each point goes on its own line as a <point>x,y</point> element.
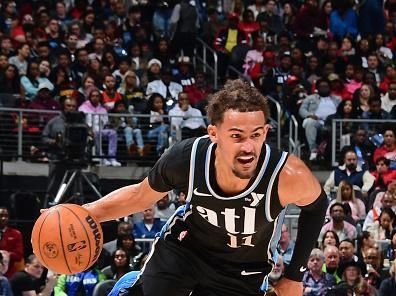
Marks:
<point>5,287</point>
<point>44,101</point>
<point>314,110</point>
<point>110,94</point>
<point>346,194</point>
<point>10,82</point>
<point>79,283</point>
<point>390,75</point>
<point>388,286</point>
<point>186,118</point>
<point>254,60</point>
<point>374,112</point>
<point>347,254</point>
<point>361,179</point>
<point>153,72</point>
<point>165,87</point>
<point>363,148</point>
<point>383,174</point>
<point>185,72</point>
<point>164,209</point>
<point>132,93</point>
<point>388,101</point>
<point>331,262</point>
<point>285,245</point>
<point>388,148</point>
<point>352,281</point>
<point>149,226</point>
<point>138,62</point>
<point>277,76</point>
<point>330,238</point>
<point>11,244</point>
<point>158,125</point>
<point>353,77</point>
<point>249,26</point>
<point>315,281</point>
<point>381,229</point>
<point>98,123</point>
<point>127,125</point>
<point>20,59</point>
<point>86,85</point>
<point>343,20</point>
<point>386,201</point>
<point>31,80</point>
<point>122,228</point>
<point>164,54</point>
<point>375,274</point>
<point>338,88</point>
<point>361,98</point>
<point>338,224</point>
<point>276,273</point>
<point>27,281</point>
<point>199,91</point>
<point>390,252</point>
<point>119,265</point>
<point>127,242</point>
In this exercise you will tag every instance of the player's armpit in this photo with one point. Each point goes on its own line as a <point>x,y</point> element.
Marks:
<point>297,185</point>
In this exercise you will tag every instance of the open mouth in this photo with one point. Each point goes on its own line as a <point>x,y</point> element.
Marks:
<point>244,160</point>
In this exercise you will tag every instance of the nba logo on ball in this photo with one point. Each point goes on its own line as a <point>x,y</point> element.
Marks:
<point>67,239</point>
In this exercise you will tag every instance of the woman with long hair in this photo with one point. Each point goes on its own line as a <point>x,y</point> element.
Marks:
<point>365,241</point>
<point>10,82</point>
<point>361,98</point>
<point>119,266</point>
<point>330,238</point>
<point>382,228</point>
<point>128,243</point>
<point>30,82</point>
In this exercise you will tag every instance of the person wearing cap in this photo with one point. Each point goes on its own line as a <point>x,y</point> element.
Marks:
<point>185,72</point>
<point>274,80</point>
<point>43,100</point>
<point>315,281</point>
<point>165,87</point>
<point>154,67</point>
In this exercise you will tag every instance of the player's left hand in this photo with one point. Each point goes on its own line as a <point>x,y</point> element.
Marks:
<point>286,287</point>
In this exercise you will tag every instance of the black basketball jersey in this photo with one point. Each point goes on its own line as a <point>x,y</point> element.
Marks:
<point>239,231</point>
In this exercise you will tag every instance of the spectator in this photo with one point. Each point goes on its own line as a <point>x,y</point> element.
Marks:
<point>338,88</point>
<point>20,60</point>
<point>128,243</point>
<point>277,271</point>
<point>110,94</point>
<point>138,62</point>
<point>314,110</point>
<point>390,75</point>
<point>361,179</point>
<point>122,228</point>
<point>346,194</point>
<point>315,281</point>
<point>123,68</point>
<point>383,174</point>
<point>199,91</point>
<point>375,274</point>
<point>185,72</point>
<point>330,238</point>
<point>374,112</point>
<point>373,66</point>
<point>132,93</point>
<point>31,81</point>
<point>11,244</point>
<point>164,54</point>
<point>390,252</point>
<point>338,224</point>
<point>343,20</point>
<point>347,253</point>
<point>27,281</point>
<point>384,53</point>
<point>388,101</point>
<point>353,77</point>
<point>79,283</point>
<point>119,265</point>
<point>371,18</point>
<point>127,125</point>
<point>97,119</point>
<point>363,148</point>
<point>186,118</point>
<point>277,76</point>
<point>381,229</point>
<point>388,148</point>
<point>332,262</point>
<point>386,201</point>
<point>158,124</point>
<point>149,226</point>
<point>285,245</point>
<point>165,87</point>
<point>211,26</point>
<point>289,15</point>
<point>257,7</point>
<point>254,60</point>
<point>5,287</point>
<point>164,209</point>
<point>10,81</point>
<point>110,60</point>
<point>249,26</point>
<point>388,286</point>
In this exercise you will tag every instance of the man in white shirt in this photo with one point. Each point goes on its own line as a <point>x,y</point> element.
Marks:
<point>186,118</point>
<point>389,99</point>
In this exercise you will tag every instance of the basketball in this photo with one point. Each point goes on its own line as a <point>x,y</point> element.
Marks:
<point>67,239</point>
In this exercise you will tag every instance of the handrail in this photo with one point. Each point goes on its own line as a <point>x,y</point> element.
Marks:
<point>278,119</point>
<point>294,142</point>
<point>334,123</point>
<point>205,48</point>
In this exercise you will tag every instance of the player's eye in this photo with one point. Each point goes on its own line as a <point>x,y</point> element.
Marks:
<point>236,136</point>
<point>256,135</point>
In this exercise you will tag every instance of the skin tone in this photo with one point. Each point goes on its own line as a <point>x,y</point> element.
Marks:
<point>120,258</point>
<point>351,274</point>
<point>35,269</point>
<point>337,215</point>
<point>94,98</point>
<point>389,140</point>
<point>183,101</point>
<point>346,250</point>
<point>392,91</point>
<point>3,218</point>
<point>386,221</point>
<point>148,215</point>
<point>332,257</point>
<point>346,193</point>
<point>88,83</point>
<point>158,105</point>
<point>239,138</point>
<point>110,84</point>
<point>329,240</point>
<point>347,108</point>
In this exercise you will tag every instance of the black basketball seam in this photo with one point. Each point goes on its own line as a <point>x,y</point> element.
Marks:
<point>86,233</point>
<point>39,236</point>
<point>61,239</point>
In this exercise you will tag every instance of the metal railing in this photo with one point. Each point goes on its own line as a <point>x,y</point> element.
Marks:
<point>337,131</point>
<point>21,131</point>
<point>294,142</point>
<point>208,64</point>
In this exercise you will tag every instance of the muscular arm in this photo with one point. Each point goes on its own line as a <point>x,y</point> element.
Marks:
<point>297,185</point>
<point>124,201</point>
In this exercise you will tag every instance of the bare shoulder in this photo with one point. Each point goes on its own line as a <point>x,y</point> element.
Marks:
<point>297,184</point>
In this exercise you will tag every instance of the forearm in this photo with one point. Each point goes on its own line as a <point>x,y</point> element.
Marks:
<point>124,202</point>
<point>309,225</point>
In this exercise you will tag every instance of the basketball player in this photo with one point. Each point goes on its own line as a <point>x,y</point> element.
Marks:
<point>223,241</point>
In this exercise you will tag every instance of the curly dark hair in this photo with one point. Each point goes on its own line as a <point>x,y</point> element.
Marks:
<point>236,95</point>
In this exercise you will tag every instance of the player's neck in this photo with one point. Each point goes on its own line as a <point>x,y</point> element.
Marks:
<point>226,179</point>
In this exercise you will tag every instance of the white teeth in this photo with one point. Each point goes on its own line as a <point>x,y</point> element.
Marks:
<point>245,157</point>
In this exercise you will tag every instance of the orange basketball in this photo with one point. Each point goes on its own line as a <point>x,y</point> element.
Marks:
<point>67,239</point>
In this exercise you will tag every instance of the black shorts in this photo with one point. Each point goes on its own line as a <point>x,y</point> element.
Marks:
<point>173,270</point>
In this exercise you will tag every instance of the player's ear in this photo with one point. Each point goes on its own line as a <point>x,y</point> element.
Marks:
<point>212,132</point>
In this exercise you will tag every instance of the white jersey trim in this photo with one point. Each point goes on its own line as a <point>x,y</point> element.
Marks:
<point>251,188</point>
